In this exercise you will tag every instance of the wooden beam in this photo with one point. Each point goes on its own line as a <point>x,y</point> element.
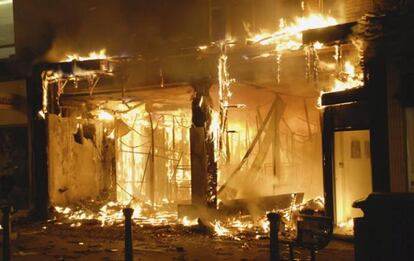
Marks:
<point>329,35</point>
<point>346,96</point>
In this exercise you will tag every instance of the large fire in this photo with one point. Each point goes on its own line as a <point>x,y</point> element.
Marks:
<point>148,143</point>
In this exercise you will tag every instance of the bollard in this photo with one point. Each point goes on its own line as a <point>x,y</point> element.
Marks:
<point>6,232</point>
<point>128,233</point>
<point>274,219</point>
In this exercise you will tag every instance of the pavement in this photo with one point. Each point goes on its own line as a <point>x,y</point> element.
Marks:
<point>90,241</point>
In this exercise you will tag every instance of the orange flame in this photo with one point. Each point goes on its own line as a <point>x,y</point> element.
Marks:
<point>289,36</point>
<point>94,55</point>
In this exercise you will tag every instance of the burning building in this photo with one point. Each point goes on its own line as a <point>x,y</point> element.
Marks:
<point>246,111</point>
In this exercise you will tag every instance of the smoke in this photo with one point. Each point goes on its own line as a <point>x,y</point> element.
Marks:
<point>47,30</point>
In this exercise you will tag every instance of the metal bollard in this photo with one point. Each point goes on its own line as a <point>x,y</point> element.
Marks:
<point>128,233</point>
<point>274,219</point>
<point>6,232</point>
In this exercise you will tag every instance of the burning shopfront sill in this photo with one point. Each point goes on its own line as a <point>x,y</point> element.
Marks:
<point>347,79</point>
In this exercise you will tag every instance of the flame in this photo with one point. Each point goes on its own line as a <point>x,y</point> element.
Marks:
<point>135,149</point>
<point>219,229</point>
<point>104,116</point>
<point>111,214</point>
<point>265,225</point>
<point>108,214</point>
<point>348,79</point>
<point>188,222</point>
<point>289,36</point>
<point>349,224</point>
<point>241,226</point>
<point>219,122</point>
<point>111,135</point>
<point>202,47</point>
<point>94,55</point>
<point>346,227</point>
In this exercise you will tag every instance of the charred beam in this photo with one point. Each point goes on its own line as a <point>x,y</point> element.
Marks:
<point>347,96</point>
<point>328,35</point>
<point>351,115</point>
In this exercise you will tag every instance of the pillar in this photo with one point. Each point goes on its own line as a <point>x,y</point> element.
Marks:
<point>203,164</point>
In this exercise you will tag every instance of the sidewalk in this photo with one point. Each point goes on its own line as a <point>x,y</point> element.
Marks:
<point>92,242</point>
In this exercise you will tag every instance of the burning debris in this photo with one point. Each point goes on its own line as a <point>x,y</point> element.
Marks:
<point>100,55</point>
<point>289,36</point>
<point>236,227</point>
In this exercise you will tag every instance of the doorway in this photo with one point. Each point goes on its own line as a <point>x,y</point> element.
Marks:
<point>353,176</point>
